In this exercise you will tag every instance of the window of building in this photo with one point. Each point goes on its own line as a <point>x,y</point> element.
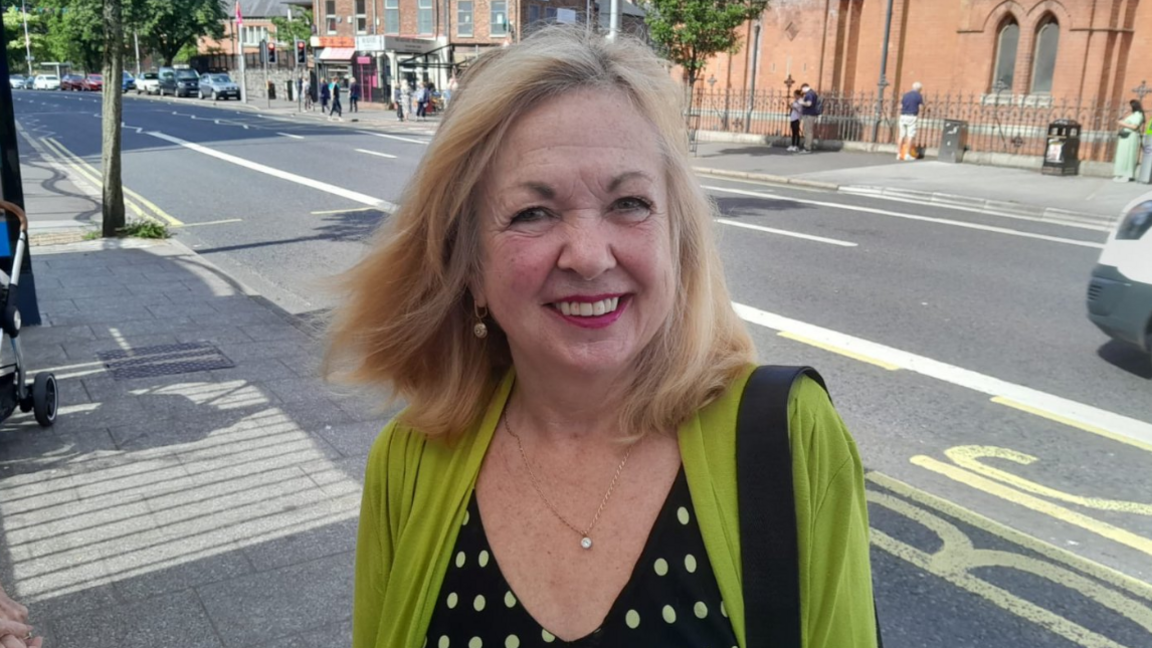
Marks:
<point>1044,64</point>
<point>252,35</point>
<point>464,18</point>
<point>391,16</point>
<point>533,14</point>
<point>330,17</point>
<point>499,18</point>
<point>425,19</point>
<point>1006,43</point>
<point>361,17</point>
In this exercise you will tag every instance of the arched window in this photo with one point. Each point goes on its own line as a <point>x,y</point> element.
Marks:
<point>1005,71</point>
<point>1044,63</point>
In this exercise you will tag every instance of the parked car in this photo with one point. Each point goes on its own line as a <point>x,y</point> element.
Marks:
<point>16,81</point>
<point>179,83</point>
<point>46,82</point>
<point>1120,291</point>
<point>71,82</point>
<point>129,82</point>
<point>218,86</point>
<point>93,83</point>
<point>148,83</point>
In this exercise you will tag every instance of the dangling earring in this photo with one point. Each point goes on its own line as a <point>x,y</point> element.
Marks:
<point>480,330</point>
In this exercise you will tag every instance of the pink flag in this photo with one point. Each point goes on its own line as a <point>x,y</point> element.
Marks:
<point>239,16</point>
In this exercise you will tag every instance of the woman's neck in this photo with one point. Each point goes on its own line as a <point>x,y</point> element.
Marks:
<point>563,409</point>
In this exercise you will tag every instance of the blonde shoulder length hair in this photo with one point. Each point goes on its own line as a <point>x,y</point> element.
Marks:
<point>406,323</point>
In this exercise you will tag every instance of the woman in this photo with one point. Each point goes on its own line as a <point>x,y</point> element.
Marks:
<point>557,320</point>
<point>794,120</point>
<point>325,95</point>
<point>354,96</point>
<point>422,102</point>
<point>398,98</point>
<point>406,99</point>
<point>1128,146</point>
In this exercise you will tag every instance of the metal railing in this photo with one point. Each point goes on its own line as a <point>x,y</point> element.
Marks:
<point>997,123</point>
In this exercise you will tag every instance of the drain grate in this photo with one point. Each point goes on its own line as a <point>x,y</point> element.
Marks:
<point>163,360</point>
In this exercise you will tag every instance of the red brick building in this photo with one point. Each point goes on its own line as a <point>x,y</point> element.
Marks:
<point>1029,50</point>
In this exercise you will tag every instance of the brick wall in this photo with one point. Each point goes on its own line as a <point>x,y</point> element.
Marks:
<point>409,17</point>
<point>948,45</point>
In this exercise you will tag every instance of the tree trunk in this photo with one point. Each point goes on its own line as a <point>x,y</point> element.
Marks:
<point>113,114</point>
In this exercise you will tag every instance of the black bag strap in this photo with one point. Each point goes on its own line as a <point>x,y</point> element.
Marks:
<point>769,553</point>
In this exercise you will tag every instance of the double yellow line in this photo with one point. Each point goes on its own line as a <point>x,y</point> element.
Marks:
<point>139,205</point>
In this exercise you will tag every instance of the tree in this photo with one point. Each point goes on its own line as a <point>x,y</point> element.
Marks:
<point>113,33</point>
<point>689,32</point>
<point>77,34</point>
<point>299,28</point>
<point>167,26</point>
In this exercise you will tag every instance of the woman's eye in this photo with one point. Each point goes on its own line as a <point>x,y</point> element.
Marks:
<point>632,204</point>
<point>530,215</point>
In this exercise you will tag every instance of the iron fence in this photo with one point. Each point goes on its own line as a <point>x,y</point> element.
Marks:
<point>997,123</point>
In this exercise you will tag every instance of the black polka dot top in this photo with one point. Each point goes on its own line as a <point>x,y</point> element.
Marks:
<point>672,599</point>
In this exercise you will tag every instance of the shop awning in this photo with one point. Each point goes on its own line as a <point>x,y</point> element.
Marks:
<point>337,53</point>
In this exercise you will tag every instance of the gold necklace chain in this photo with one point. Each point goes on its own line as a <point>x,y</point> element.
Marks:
<point>585,534</point>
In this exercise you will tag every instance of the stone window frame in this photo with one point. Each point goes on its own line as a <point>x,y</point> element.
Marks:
<point>331,19</point>
<point>1008,20</point>
<point>460,22</point>
<point>1047,20</point>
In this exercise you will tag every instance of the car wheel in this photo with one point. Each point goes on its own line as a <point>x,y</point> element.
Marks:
<point>215,97</point>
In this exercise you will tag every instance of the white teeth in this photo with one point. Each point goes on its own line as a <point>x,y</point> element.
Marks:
<point>588,309</point>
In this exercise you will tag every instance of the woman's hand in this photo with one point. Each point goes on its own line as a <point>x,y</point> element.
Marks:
<point>12,641</point>
<point>14,624</point>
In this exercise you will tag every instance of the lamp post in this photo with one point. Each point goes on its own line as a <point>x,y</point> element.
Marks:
<point>883,82</point>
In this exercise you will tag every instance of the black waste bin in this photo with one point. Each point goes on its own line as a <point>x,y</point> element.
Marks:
<point>1062,156</point>
<point>953,141</point>
<point>271,90</point>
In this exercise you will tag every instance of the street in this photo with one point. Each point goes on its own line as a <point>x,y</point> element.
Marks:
<point>1007,442</point>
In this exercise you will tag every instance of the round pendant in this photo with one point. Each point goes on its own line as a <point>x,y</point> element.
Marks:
<point>586,542</point>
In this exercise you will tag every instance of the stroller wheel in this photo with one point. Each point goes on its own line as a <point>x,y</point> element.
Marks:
<point>45,399</point>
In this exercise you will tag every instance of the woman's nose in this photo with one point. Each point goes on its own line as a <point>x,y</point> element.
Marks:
<point>587,247</point>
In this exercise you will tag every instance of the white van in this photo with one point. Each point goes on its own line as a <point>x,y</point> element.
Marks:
<point>1120,293</point>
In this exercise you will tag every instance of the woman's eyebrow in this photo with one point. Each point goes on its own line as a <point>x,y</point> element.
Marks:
<point>545,190</point>
<point>627,175</point>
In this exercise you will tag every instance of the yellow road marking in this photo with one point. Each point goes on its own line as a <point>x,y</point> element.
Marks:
<point>1103,529</point>
<point>839,350</point>
<point>345,211</point>
<point>95,179</point>
<point>147,203</point>
<point>1072,423</point>
<point>969,457</point>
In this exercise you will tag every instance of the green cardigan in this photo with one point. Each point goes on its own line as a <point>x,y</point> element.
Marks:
<point>416,493</point>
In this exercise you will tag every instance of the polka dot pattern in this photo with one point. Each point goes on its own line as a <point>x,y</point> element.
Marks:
<point>669,600</point>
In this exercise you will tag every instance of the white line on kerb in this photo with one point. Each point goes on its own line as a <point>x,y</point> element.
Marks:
<point>376,153</point>
<point>926,219</point>
<point>395,137</point>
<point>1115,423</point>
<point>807,237</point>
<point>383,205</point>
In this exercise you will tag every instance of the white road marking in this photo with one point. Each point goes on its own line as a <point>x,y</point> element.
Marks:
<point>807,237</point>
<point>215,222</point>
<point>291,135</point>
<point>383,155</point>
<point>395,137</point>
<point>926,219</point>
<point>383,205</point>
<point>1116,424</point>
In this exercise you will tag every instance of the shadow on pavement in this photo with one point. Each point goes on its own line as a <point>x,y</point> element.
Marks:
<point>1126,357</point>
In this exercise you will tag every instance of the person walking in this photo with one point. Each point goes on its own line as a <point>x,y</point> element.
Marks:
<point>325,95</point>
<point>910,105</point>
<point>422,102</point>
<point>809,113</point>
<point>794,120</point>
<point>398,99</point>
<point>354,96</point>
<point>337,109</point>
<point>1128,144</point>
<point>406,100</point>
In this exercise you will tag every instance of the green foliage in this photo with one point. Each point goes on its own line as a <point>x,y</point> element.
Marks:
<point>300,27</point>
<point>167,26</point>
<point>186,54</point>
<point>39,22</point>
<point>689,32</point>
<point>148,229</point>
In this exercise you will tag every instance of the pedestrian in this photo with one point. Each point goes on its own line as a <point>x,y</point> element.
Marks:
<point>910,105</point>
<point>398,99</point>
<point>449,90</point>
<point>325,95</point>
<point>794,119</point>
<point>354,96</point>
<point>572,370</point>
<point>337,109</point>
<point>14,629</point>
<point>808,116</point>
<point>421,102</point>
<point>1128,144</point>
<point>406,98</point>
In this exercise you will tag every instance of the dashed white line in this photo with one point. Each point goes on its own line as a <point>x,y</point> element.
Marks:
<point>290,135</point>
<point>395,137</point>
<point>376,153</point>
<point>770,230</point>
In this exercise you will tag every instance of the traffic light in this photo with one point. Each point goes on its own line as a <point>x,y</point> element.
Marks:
<point>271,53</point>
<point>301,53</point>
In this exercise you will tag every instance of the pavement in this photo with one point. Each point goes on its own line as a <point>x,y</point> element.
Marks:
<point>983,189</point>
<point>201,485</point>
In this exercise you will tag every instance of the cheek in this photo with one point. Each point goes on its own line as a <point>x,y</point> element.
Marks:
<point>517,269</point>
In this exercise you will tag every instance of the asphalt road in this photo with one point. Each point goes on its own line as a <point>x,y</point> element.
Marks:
<point>1011,501</point>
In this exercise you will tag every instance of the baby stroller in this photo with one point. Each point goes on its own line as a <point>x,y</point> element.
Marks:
<point>42,399</point>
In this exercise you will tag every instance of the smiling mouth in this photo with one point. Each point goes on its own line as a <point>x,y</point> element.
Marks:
<point>588,309</point>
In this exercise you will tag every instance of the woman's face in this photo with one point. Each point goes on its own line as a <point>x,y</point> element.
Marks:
<point>576,250</point>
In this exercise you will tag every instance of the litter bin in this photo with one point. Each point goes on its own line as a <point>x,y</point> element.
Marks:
<point>953,141</point>
<point>1062,156</point>
<point>271,90</point>
<point>1145,174</point>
